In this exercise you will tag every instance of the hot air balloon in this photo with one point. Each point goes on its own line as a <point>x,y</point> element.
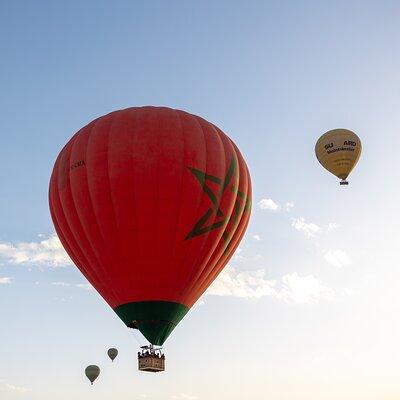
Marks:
<point>92,372</point>
<point>338,151</point>
<point>112,353</point>
<point>150,203</point>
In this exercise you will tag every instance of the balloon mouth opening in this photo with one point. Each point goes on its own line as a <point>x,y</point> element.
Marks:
<point>154,319</point>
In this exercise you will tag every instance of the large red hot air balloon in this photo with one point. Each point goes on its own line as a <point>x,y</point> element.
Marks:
<point>150,203</point>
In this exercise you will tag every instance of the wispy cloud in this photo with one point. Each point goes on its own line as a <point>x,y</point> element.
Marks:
<point>238,256</point>
<point>63,284</point>
<point>18,389</point>
<point>183,396</point>
<point>85,286</point>
<point>308,228</point>
<point>6,387</point>
<point>6,280</point>
<point>288,206</point>
<point>332,226</point>
<point>247,284</point>
<point>268,204</point>
<point>290,288</point>
<point>256,237</point>
<point>304,289</point>
<point>337,258</point>
<point>46,252</point>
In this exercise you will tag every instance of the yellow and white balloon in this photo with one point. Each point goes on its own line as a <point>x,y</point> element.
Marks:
<point>338,151</point>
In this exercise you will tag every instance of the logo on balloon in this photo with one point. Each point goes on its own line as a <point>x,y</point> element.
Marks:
<point>214,217</point>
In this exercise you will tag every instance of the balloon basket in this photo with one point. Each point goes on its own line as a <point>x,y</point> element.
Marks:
<point>344,182</point>
<point>151,359</point>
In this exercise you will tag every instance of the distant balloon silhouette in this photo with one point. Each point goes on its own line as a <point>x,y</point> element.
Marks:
<point>112,353</point>
<point>150,203</point>
<point>92,372</point>
<point>338,151</point>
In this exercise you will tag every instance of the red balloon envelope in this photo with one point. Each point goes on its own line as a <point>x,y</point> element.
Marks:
<point>150,203</point>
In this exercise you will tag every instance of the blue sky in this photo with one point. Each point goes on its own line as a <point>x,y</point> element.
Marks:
<point>308,308</point>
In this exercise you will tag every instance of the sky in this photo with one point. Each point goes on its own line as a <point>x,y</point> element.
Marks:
<point>308,307</point>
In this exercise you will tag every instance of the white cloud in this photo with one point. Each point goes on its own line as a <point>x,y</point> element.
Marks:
<point>17,389</point>
<point>183,396</point>
<point>256,237</point>
<point>332,226</point>
<point>238,255</point>
<point>46,252</point>
<point>247,284</point>
<point>291,288</point>
<point>337,258</point>
<point>199,303</point>
<point>347,292</point>
<point>288,206</point>
<point>63,299</point>
<point>268,204</point>
<point>6,387</point>
<point>64,284</point>
<point>85,286</point>
<point>309,229</point>
<point>5,280</point>
<point>304,289</point>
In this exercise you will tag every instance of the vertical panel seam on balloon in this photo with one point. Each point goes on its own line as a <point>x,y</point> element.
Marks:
<point>204,262</point>
<point>179,213</point>
<point>110,286</point>
<point>240,231</point>
<point>183,294</point>
<point>103,273</point>
<point>95,257</point>
<point>221,242</point>
<point>72,233</point>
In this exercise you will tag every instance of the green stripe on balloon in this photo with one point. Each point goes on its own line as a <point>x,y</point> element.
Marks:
<point>154,319</point>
